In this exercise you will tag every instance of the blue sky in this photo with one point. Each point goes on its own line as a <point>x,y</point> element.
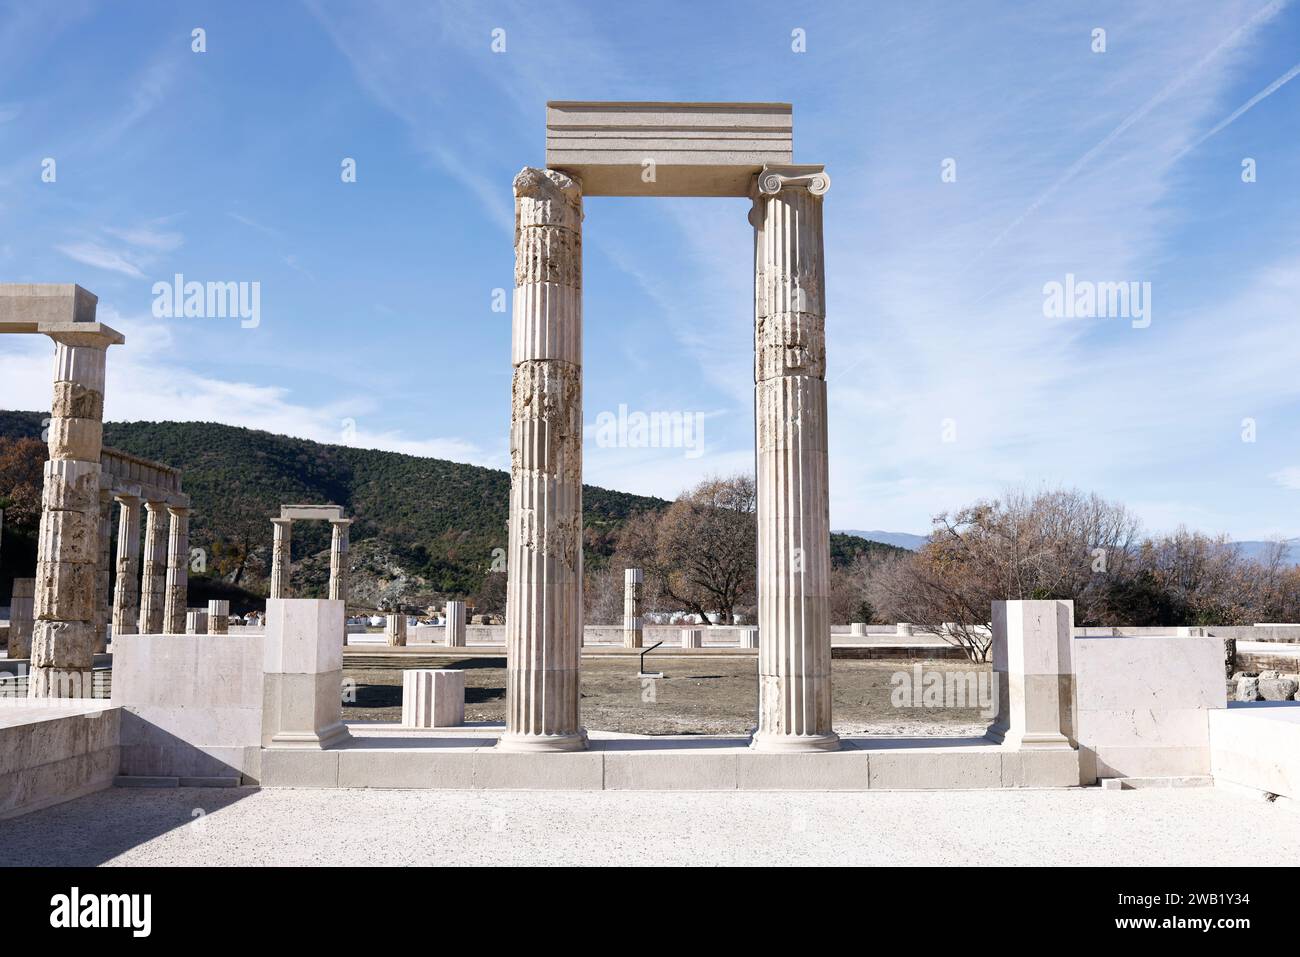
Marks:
<point>376,296</point>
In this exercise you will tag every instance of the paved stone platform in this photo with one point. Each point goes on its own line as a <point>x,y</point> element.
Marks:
<point>386,756</point>
<point>245,827</point>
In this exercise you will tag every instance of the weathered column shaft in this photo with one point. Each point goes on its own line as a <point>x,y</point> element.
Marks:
<point>633,626</point>
<point>339,559</point>
<point>218,616</point>
<point>126,590</point>
<point>153,581</point>
<point>22,605</point>
<point>178,571</point>
<point>793,495</point>
<point>544,614</point>
<point>280,561</point>
<point>67,562</point>
<point>104,578</point>
<point>454,635</point>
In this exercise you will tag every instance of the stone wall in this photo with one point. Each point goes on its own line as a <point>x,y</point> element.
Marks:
<point>50,754</point>
<point>191,705</point>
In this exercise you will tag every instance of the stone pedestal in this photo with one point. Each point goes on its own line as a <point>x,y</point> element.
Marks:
<point>64,635</point>
<point>126,590</point>
<point>904,630</point>
<point>394,630</point>
<point>858,629</point>
<point>633,625</point>
<point>692,637</point>
<point>455,631</point>
<point>544,614</point>
<point>196,621</point>
<point>303,674</point>
<point>749,637</point>
<point>153,582</point>
<point>339,558</point>
<point>794,712</point>
<point>1032,644</point>
<point>433,698</point>
<point>280,561</point>
<point>218,617</point>
<point>22,606</point>
<point>177,582</point>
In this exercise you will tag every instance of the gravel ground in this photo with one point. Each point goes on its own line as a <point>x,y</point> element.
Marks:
<point>1180,826</point>
<point>695,696</point>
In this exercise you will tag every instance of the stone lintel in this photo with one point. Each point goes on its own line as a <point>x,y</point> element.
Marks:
<point>667,149</point>
<point>311,512</point>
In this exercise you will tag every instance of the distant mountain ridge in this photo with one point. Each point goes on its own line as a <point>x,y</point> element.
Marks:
<point>898,539</point>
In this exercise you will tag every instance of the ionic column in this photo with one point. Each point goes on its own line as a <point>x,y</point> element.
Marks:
<point>153,579</point>
<point>633,627</point>
<point>454,633</point>
<point>794,629</point>
<point>178,570</point>
<point>126,591</point>
<point>67,561</point>
<point>339,559</point>
<point>544,589</point>
<point>280,557</point>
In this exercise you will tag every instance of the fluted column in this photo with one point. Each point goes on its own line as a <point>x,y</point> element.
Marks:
<point>126,590</point>
<point>794,628</point>
<point>633,626</point>
<point>339,559</point>
<point>175,600</point>
<point>67,559</point>
<point>544,590</point>
<point>104,577</point>
<point>153,578</point>
<point>280,566</point>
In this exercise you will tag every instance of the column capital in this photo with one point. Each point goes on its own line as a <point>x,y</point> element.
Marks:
<point>773,179</point>
<point>282,522</point>
<point>179,511</point>
<point>155,505</point>
<point>341,522</point>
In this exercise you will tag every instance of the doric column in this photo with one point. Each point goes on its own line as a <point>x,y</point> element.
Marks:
<point>794,628</point>
<point>104,576</point>
<point>153,579</point>
<point>544,590</point>
<point>178,570</point>
<point>126,591</point>
<point>339,558</point>
<point>633,627</point>
<point>67,562</point>
<point>280,557</point>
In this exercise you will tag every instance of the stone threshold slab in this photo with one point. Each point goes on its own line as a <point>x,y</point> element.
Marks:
<point>447,760</point>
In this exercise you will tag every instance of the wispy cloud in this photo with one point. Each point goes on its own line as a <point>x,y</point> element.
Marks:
<point>101,257</point>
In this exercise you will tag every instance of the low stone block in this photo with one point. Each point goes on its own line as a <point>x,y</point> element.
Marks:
<point>692,637</point>
<point>433,698</point>
<point>1278,689</point>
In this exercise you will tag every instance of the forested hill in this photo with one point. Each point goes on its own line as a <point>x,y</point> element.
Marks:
<point>434,520</point>
<point>424,529</point>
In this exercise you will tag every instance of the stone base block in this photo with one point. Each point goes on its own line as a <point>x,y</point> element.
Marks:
<point>433,698</point>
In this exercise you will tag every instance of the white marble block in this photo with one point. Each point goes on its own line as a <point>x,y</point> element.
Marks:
<point>433,698</point>
<point>692,637</point>
<point>1033,666</point>
<point>904,630</point>
<point>303,674</point>
<point>196,622</point>
<point>455,631</point>
<point>858,629</point>
<point>749,637</point>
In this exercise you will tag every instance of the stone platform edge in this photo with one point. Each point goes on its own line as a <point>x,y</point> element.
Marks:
<point>612,766</point>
